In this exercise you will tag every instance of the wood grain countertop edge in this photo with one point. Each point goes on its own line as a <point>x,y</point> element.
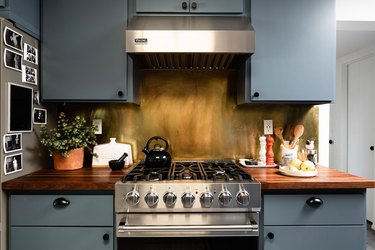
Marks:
<point>90,179</point>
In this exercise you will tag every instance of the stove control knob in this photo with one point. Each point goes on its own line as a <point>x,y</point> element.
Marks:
<point>243,198</point>
<point>151,198</point>
<point>225,197</point>
<point>170,198</point>
<point>206,199</point>
<point>188,199</point>
<point>132,198</point>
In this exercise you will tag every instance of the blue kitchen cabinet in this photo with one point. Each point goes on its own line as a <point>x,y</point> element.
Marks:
<point>83,52</point>
<point>339,222</point>
<point>24,13</point>
<point>295,52</point>
<point>46,222</point>
<point>190,6</point>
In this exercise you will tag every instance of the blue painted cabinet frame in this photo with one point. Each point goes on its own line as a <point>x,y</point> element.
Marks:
<point>295,52</point>
<point>190,6</point>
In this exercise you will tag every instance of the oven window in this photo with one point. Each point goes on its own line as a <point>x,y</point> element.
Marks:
<point>197,243</point>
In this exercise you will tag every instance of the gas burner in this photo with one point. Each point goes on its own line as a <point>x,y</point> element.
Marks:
<point>186,171</point>
<point>141,173</point>
<point>215,171</point>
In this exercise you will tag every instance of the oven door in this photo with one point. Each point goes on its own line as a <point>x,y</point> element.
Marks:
<point>188,225</point>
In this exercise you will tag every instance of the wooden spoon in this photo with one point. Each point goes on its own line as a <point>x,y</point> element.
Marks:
<point>279,133</point>
<point>298,132</point>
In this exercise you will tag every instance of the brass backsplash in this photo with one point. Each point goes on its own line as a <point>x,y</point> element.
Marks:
<point>197,112</point>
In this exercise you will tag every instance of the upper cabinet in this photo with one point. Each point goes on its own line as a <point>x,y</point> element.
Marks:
<point>83,52</point>
<point>295,52</point>
<point>24,14</point>
<point>189,6</point>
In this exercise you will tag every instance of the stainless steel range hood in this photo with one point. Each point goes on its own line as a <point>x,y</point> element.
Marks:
<point>189,42</point>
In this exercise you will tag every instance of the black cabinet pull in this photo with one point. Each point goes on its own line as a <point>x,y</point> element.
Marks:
<point>184,5</point>
<point>330,142</point>
<point>120,93</point>
<point>194,5</point>
<point>61,202</point>
<point>105,237</point>
<point>256,94</point>
<point>270,235</point>
<point>372,148</point>
<point>314,202</point>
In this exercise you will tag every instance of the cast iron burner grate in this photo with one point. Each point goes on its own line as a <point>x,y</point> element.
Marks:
<point>186,171</point>
<point>189,170</point>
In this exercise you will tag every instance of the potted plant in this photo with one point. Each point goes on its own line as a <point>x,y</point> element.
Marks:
<point>67,142</point>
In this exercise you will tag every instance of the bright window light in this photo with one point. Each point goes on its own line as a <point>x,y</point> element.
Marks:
<point>355,10</point>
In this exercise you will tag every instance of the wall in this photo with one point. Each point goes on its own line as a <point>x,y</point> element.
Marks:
<point>197,113</point>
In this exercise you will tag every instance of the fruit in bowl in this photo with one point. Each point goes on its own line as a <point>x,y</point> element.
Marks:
<point>298,165</point>
<point>308,166</point>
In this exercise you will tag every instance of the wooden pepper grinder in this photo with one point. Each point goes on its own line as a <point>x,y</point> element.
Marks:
<point>269,153</point>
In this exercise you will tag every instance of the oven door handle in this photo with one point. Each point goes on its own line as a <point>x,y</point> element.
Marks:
<point>250,228</point>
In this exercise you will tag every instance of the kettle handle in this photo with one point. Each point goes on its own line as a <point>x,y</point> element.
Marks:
<point>157,138</point>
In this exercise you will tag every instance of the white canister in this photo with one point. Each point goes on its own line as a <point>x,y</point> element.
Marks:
<point>287,154</point>
<point>111,151</point>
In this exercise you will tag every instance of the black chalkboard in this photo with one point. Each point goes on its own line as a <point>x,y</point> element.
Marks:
<point>20,108</point>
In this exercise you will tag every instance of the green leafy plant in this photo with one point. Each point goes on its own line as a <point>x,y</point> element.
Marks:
<point>68,135</point>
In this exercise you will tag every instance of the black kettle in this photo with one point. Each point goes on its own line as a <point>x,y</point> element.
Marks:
<point>157,157</point>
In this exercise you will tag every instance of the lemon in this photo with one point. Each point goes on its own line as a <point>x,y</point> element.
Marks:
<point>307,166</point>
<point>295,162</point>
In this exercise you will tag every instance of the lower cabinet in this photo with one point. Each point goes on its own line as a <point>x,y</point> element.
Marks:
<point>314,221</point>
<point>61,238</point>
<point>314,237</point>
<point>61,222</point>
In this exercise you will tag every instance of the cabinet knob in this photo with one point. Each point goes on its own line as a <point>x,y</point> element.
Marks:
<point>120,93</point>
<point>184,5</point>
<point>331,141</point>
<point>270,235</point>
<point>105,237</point>
<point>61,202</point>
<point>256,94</point>
<point>314,202</point>
<point>372,148</point>
<point>194,5</point>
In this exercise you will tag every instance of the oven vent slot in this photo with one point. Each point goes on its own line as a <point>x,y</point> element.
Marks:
<point>194,61</point>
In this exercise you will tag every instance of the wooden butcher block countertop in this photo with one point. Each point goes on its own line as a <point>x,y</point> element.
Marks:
<point>104,179</point>
<point>327,178</point>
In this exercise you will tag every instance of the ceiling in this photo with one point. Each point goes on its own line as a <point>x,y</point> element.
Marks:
<point>353,36</point>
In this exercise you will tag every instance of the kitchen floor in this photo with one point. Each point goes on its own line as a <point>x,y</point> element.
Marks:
<point>370,238</point>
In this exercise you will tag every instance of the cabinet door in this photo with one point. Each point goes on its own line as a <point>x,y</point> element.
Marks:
<point>61,238</point>
<point>163,6</point>
<point>192,6</point>
<point>24,14</point>
<point>61,210</point>
<point>83,50</point>
<point>295,51</point>
<point>296,211</point>
<point>313,238</point>
<point>216,6</point>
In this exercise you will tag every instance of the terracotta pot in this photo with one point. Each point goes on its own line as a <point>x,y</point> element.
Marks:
<point>73,161</point>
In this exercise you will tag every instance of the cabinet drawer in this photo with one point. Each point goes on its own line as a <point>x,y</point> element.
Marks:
<point>293,210</point>
<point>314,237</point>
<point>82,210</point>
<point>61,238</point>
<point>202,6</point>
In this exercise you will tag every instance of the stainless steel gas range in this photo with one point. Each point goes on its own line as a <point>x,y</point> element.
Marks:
<point>188,200</point>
